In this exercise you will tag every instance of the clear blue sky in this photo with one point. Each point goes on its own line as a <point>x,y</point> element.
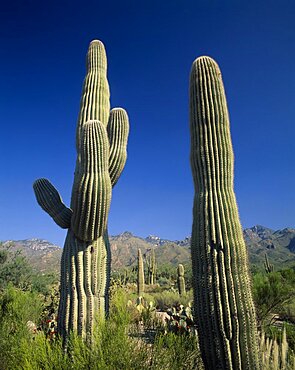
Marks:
<point>150,47</point>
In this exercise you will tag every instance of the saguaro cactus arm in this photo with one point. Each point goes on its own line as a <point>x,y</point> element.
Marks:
<point>92,199</point>
<point>50,201</point>
<point>118,131</point>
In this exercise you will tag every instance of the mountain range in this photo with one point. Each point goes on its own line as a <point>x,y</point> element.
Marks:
<point>279,245</point>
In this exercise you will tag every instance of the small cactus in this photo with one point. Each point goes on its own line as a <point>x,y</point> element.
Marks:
<point>152,268</point>
<point>267,266</point>
<point>140,274</point>
<point>180,279</point>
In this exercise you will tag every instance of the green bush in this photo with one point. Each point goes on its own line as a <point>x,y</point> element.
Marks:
<point>274,297</point>
<point>168,299</point>
<point>14,269</point>
<point>173,351</point>
<point>16,309</point>
<point>111,349</point>
<point>275,332</point>
<point>272,292</point>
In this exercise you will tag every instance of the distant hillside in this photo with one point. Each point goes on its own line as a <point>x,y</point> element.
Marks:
<point>42,255</point>
<point>279,246</point>
<point>124,249</point>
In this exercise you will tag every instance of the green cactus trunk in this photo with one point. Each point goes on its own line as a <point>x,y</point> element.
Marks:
<point>180,280</point>
<point>140,274</point>
<point>152,268</point>
<point>101,155</point>
<point>224,308</point>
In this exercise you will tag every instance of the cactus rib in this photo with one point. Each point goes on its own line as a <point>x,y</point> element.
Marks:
<point>101,156</point>
<point>180,279</point>
<point>50,201</point>
<point>224,307</point>
<point>140,274</point>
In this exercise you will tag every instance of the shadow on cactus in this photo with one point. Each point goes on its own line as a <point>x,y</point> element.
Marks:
<point>101,141</point>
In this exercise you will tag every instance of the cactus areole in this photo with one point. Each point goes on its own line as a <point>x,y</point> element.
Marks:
<point>101,155</point>
<point>224,309</point>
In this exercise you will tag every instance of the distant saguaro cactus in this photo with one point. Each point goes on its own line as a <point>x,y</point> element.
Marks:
<point>180,279</point>
<point>267,266</point>
<point>223,303</point>
<point>152,267</point>
<point>140,274</point>
<point>101,155</point>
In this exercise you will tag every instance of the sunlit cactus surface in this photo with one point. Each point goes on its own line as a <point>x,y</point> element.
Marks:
<point>224,308</point>
<point>101,155</point>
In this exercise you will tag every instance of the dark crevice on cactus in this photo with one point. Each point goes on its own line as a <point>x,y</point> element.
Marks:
<point>224,308</point>
<point>101,156</point>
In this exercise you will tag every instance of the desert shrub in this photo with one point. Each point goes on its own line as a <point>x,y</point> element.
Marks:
<point>20,349</point>
<point>177,352</point>
<point>274,332</point>
<point>14,269</point>
<point>272,292</point>
<point>17,307</point>
<point>274,297</point>
<point>287,312</point>
<point>44,283</point>
<point>112,347</point>
<point>290,331</point>
<point>167,299</point>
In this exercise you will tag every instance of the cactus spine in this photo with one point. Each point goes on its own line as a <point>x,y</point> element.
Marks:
<point>180,279</point>
<point>140,274</point>
<point>152,267</point>
<point>101,155</point>
<point>224,308</point>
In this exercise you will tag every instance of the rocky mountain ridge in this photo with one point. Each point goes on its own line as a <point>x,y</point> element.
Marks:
<point>279,245</point>
<point>41,254</point>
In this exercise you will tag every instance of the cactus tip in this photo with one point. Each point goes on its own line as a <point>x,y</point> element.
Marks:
<point>118,109</point>
<point>209,62</point>
<point>96,42</point>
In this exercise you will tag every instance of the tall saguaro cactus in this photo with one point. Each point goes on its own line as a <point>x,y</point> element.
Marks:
<point>140,274</point>
<point>101,155</point>
<point>151,261</point>
<point>224,308</point>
